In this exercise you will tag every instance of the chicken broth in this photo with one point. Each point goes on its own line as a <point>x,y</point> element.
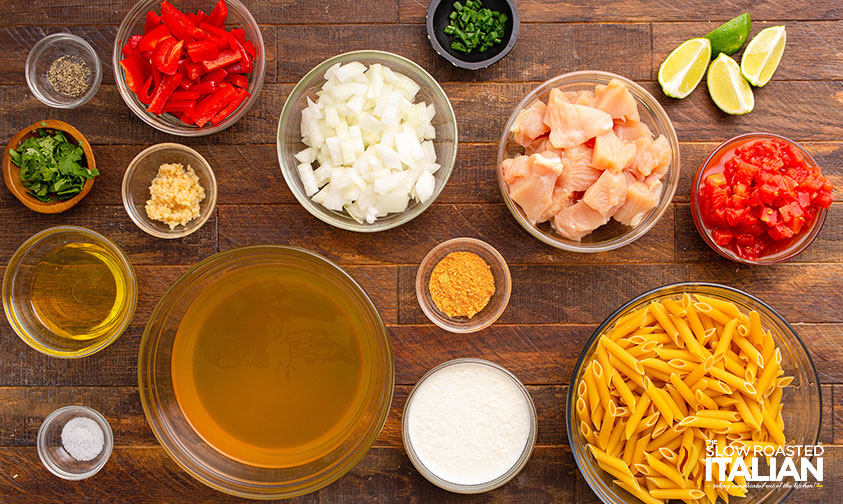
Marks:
<point>269,365</point>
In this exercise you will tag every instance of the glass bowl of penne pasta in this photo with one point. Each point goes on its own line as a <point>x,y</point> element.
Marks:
<point>680,376</point>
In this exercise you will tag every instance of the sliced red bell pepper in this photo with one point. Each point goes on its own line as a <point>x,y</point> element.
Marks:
<point>136,70</point>
<point>143,91</point>
<point>183,95</point>
<point>238,80</point>
<point>185,118</point>
<point>186,84</point>
<point>204,88</point>
<point>231,107</point>
<point>239,34</point>
<point>167,55</point>
<point>217,76</point>
<point>202,50</point>
<point>218,15</point>
<point>151,39</point>
<point>223,60</point>
<point>235,68</point>
<point>211,105</point>
<point>250,48</point>
<point>184,107</point>
<point>181,27</point>
<point>166,87</point>
<point>152,20</point>
<point>246,61</point>
<point>131,46</point>
<point>193,71</point>
<point>201,17</point>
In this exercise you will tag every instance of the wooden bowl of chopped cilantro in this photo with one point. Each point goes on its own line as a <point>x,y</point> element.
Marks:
<point>49,166</point>
<point>473,34</point>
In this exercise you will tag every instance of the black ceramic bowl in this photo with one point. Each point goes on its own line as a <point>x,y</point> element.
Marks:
<point>437,20</point>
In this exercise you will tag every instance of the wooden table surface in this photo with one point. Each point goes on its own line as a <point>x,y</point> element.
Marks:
<point>557,297</point>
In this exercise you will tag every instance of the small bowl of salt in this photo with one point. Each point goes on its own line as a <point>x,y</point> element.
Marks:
<point>75,442</point>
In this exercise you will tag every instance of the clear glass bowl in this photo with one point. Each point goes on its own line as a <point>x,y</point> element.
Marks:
<point>238,17</point>
<point>484,487</point>
<point>796,246</point>
<point>44,53</point>
<point>52,452</point>
<point>139,175</point>
<point>497,303</point>
<point>802,403</point>
<point>614,234</point>
<point>17,292</point>
<point>289,136</point>
<point>183,443</point>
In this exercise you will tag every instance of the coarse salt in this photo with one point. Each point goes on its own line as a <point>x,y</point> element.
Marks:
<point>82,438</point>
<point>469,423</point>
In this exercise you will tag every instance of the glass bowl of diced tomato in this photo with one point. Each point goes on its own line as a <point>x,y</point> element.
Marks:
<point>760,198</point>
<point>191,67</point>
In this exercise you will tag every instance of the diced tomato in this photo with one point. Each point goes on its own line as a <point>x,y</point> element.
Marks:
<point>152,38</point>
<point>152,21</point>
<point>218,15</point>
<point>202,50</point>
<point>760,196</point>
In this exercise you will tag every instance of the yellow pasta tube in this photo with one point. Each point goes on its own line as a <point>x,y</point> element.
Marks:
<point>675,308</point>
<point>732,380</point>
<point>683,390</point>
<point>606,426</point>
<point>660,314</point>
<point>750,351</point>
<point>637,415</point>
<point>677,493</point>
<point>704,423</point>
<point>623,355</point>
<point>624,392</point>
<point>602,388</point>
<point>698,372</point>
<point>660,402</point>
<point>725,337</point>
<point>665,470</point>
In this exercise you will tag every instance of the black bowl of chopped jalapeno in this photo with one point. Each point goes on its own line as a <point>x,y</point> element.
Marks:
<point>473,34</point>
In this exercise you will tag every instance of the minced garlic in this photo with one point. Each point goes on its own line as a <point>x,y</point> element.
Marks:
<point>175,194</point>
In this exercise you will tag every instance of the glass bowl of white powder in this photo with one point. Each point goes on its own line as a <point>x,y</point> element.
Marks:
<point>75,442</point>
<point>469,426</point>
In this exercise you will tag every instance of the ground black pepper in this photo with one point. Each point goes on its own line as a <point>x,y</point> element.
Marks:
<point>69,75</point>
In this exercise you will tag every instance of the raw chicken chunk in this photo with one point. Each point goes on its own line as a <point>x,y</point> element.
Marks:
<point>577,221</point>
<point>612,153</point>
<point>560,200</point>
<point>607,194</point>
<point>616,100</point>
<point>652,158</point>
<point>578,174</point>
<point>529,124</point>
<point>631,130</point>
<point>515,168</point>
<point>640,199</point>
<point>533,184</point>
<point>572,125</point>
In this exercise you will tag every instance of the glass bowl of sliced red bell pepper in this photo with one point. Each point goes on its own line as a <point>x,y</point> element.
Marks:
<point>760,198</point>
<point>190,67</point>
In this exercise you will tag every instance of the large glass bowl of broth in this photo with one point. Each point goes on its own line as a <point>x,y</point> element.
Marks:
<point>266,372</point>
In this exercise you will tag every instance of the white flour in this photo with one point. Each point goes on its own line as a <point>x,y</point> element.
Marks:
<point>468,423</point>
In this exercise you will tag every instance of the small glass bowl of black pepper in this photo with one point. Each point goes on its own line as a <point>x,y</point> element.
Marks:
<point>63,71</point>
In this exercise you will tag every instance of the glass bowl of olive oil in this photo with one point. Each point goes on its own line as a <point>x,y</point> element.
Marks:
<point>69,292</point>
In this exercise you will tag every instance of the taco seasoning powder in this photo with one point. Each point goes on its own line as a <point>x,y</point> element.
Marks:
<point>461,284</point>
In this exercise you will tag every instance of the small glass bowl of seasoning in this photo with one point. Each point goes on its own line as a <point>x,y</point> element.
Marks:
<point>463,285</point>
<point>63,71</point>
<point>75,442</point>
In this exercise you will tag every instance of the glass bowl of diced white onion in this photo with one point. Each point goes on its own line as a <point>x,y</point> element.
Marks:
<point>367,140</point>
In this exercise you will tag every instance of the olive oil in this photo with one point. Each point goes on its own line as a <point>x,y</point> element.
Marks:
<point>269,365</point>
<point>79,293</point>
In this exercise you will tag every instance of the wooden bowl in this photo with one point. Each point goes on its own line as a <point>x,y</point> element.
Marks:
<point>11,171</point>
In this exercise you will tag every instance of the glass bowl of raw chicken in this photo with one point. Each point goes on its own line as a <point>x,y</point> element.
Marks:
<point>588,162</point>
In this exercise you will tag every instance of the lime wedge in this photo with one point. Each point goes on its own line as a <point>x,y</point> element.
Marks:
<point>763,54</point>
<point>730,36</point>
<point>684,68</point>
<point>727,87</point>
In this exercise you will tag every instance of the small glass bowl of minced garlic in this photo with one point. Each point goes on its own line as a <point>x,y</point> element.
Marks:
<point>63,71</point>
<point>463,285</point>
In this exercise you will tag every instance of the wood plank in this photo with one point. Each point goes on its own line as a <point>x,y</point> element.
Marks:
<point>558,294</point>
<point>114,223</point>
<point>814,48</point>
<point>384,475</point>
<point>16,42</point>
<point>837,412</point>
<point>690,246</point>
<point>492,223</point>
<point>111,12</point>
<point>602,11</point>
<point>788,288</point>
<point>536,57</point>
<point>481,110</point>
